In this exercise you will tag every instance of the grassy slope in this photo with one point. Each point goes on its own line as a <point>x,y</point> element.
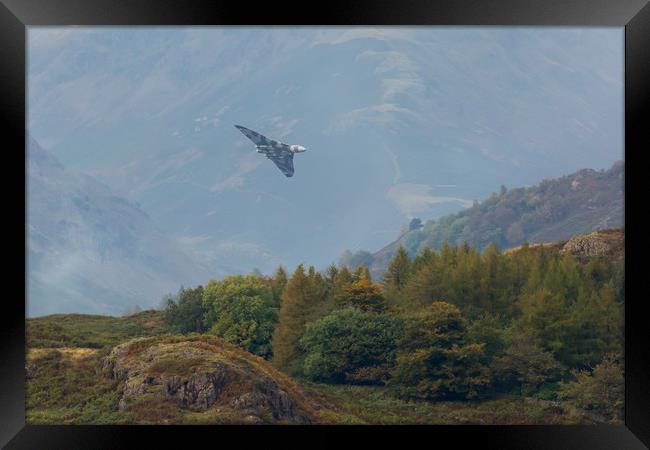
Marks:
<point>64,352</point>
<point>67,387</point>
<point>377,406</point>
<point>89,331</point>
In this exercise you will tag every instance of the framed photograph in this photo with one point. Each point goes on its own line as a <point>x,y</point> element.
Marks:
<point>370,216</point>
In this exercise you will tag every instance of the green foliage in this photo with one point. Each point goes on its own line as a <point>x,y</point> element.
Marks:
<point>600,391</point>
<point>434,358</point>
<point>595,328</point>
<point>489,330</point>
<point>449,324</point>
<point>579,332</point>
<point>88,331</point>
<point>350,346</point>
<point>277,285</point>
<point>544,314</point>
<point>303,294</point>
<point>524,366</point>
<point>476,283</point>
<point>184,313</point>
<point>376,405</point>
<point>63,388</point>
<point>546,212</point>
<point>395,278</point>
<point>362,293</point>
<point>399,270</point>
<point>240,310</point>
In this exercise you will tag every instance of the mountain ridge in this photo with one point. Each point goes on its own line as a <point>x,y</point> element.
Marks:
<point>92,251</point>
<point>399,122</point>
<point>554,210</point>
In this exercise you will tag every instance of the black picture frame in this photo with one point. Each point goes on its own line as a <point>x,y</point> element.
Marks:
<point>634,15</point>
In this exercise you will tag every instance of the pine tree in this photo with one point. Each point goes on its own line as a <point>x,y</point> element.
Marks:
<point>363,294</point>
<point>278,284</point>
<point>317,298</point>
<point>435,359</point>
<point>426,284</point>
<point>360,272</point>
<point>343,277</point>
<point>331,274</point>
<point>291,319</point>
<point>301,298</point>
<point>594,328</point>
<point>398,271</point>
<point>544,313</point>
<point>423,258</point>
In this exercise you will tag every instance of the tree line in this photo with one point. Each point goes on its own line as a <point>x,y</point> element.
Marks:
<point>450,324</point>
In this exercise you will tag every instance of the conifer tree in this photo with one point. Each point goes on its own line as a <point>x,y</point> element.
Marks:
<point>317,296</point>
<point>344,276</point>
<point>435,359</point>
<point>361,271</point>
<point>331,274</point>
<point>424,257</point>
<point>545,314</point>
<point>291,319</point>
<point>398,271</point>
<point>302,299</point>
<point>363,294</point>
<point>278,284</point>
<point>594,328</point>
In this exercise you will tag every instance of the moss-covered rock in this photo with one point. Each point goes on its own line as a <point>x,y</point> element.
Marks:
<point>200,373</point>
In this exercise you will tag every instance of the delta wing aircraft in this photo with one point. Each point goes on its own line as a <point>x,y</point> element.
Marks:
<point>281,154</point>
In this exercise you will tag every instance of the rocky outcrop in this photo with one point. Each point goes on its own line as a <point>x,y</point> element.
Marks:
<point>201,373</point>
<point>600,243</point>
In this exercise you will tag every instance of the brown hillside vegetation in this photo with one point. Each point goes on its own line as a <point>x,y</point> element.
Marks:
<point>201,378</point>
<point>604,243</point>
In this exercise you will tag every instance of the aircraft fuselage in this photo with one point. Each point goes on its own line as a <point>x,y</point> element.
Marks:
<point>281,154</point>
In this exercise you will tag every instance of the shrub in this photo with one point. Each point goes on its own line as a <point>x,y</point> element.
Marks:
<point>240,310</point>
<point>434,358</point>
<point>350,346</point>
<point>184,314</point>
<point>525,366</point>
<point>601,391</point>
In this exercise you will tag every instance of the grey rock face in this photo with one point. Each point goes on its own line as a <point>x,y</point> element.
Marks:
<point>199,392</point>
<point>586,246</point>
<point>198,379</point>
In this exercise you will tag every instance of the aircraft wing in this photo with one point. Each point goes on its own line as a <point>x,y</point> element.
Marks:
<point>257,138</point>
<point>284,161</point>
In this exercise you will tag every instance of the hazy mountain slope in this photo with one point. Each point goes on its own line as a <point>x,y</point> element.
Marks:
<point>398,122</point>
<point>92,251</point>
<point>554,210</point>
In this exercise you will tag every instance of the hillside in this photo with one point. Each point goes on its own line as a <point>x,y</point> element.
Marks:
<point>84,369</point>
<point>92,251</point>
<point>398,122</point>
<point>128,370</point>
<point>554,210</point>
